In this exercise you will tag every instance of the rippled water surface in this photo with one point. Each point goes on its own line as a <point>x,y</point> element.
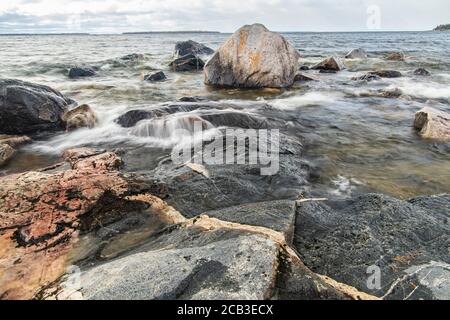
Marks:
<point>356,140</point>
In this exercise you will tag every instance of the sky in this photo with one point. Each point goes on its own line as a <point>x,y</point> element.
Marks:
<point>117,16</point>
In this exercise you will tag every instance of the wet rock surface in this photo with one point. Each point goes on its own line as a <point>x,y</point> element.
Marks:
<point>253,57</point>
<point>80,117</point>
<point>185,63</point>
<point>81,72</point>
<point>342,239</point>
<point>158,76</point>
<point>433,124</point>
<point>356,54</point>
<point>183,48</point>
<point>386,73</point>
<point>27,108</point>
<point>331,64</point>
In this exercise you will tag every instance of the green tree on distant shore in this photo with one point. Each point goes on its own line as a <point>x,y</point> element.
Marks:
<point>443,27</point>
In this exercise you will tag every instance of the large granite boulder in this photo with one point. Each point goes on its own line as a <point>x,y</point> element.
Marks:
<point>253,57</point>
<point>183,48</point>
<point>402,243</point>
<point>433,124</point>
<point>28,108</point>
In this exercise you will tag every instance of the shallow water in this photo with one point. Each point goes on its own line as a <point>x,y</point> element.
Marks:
<point>356,141</point>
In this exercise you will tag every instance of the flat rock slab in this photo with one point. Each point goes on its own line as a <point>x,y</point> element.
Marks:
<point>187,263</point>
<point>433,124</point>
<point>342,239</point>
<point>276,215</point>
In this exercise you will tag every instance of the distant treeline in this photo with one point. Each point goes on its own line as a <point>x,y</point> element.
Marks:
<point>443,27</point>
<point>188,31</point>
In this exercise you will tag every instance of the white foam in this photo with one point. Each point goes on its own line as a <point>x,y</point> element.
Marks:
<point>430,90</point>
<point>309,98</point>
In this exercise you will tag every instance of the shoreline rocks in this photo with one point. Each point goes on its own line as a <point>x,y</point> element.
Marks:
<point>155,77</point>
<point>185,63</point>
<point>386,73</point>
<point>356,54</point>
<point>81,72</point>
<point>253,57</point>
<point>433,124</point>
<point>183,48</point>
<point>422,72</point>
<point>28,108</point>
<point>395,56</point>
<point>80,117</point>
<point>331,64</point>
<point>8,146</point>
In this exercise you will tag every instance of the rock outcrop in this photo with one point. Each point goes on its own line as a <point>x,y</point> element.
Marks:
<point>43,213</point>
<point>154,77</point>
<point>356,54</point>
<point>27,108</point>
<point>433,124</point>
<point>330,64</point>
<point>349,240</point>
<point>185,63</point>
<point>80,117</point>
<point>81,72</point>
<point>183,48</point>
<point>253,57</point>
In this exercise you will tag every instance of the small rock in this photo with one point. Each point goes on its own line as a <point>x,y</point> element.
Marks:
<point>422,72</point>
<point>6,153</point>
<point>304,68</point>
<point>303,77</point>
<point>188,62</point>
<point>158,76</point>
<point>81,72</point>
<point>367,77</point>
<point>330,64</point>
<point>396,56</point>
<point>191,47</point>
<point>80,117</point>
<point>134,57</point>
<point>386,73</point>
<point>14,141</point>
<point>356,54</point>
<point>393,93</point>
<point>433,124</point>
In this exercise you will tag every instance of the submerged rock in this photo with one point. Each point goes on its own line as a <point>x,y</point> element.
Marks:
<point>391,93</point>
<point>188,62</point>
<point>253,57</point>
<point>367,77</point>
<point>303,77</point>
<point>80,117</point>
<point>433,124</point>
<point>133,57</point>
<point>158,76</point>
<point>191,47</point>
<point>356,54</point>
<point>396,56</point>
<point>386,73</point>
<point>28,108</point>
<point>422,72</point>
<point>349,240</point>
<point>81,72</point>
<point>330,64</point>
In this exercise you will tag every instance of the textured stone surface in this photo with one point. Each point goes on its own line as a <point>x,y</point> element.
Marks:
<point>80,117</point>
<point>183,48</point>
<point>356,54</point>
<point>342,239</point>
<point>81,72</point>
<point>158,76</point>
<point>6,153</point>
<point>253,57</point>
<point>433,124</point>
<point>27,108</point>
<point>396,56</point>
<point>330,64</point>
<point>185,63</point>
<point>386,73</point>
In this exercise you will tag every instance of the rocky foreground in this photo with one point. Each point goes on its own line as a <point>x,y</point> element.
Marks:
<point>86,229</point>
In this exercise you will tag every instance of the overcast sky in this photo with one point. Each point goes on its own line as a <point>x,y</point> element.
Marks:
<point>115,16</point>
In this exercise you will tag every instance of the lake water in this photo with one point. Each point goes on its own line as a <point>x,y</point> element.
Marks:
<point>356,140</point>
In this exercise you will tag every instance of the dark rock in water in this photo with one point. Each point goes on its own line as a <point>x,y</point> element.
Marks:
<point>191,47</point>
<point>81,72</point>
<point>356,54</point>
<point>188,62</point>
<point>134,57</point>
<point>330,64</point>
<point>158,76</point>
<point>396,56</point>
<point>367,77</point>
<point>303,77</point>
<point>193,99</point>
<point>421,72</point>
<point>349,239</point>
<point>304,68</point>
<point>253,57</point>
<point>27,108</point>
<point>386,73</point>
<point>327,71</point>
<point>393,93</point>
<point>236,119</point>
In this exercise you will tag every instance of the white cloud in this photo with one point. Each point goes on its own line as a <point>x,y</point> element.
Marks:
<point>221,15</point>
